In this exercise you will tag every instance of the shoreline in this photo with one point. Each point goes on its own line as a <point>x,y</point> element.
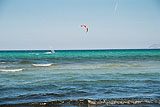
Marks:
<point>89,102</point>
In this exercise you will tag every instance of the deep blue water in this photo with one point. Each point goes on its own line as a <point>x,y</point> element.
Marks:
<point>40,76</point>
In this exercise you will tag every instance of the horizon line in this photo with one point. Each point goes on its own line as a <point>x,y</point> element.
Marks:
<point>78,49</point>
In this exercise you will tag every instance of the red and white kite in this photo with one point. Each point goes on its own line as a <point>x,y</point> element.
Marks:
<point>85,27</point>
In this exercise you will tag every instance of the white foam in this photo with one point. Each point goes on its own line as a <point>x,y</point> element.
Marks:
<point>41,65</point>
<point>34,53</point>
<point>2,62</point>
<point>48,52</point>
<point>11,70</point>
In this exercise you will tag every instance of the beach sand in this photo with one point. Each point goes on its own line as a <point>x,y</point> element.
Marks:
<point>89,103</point>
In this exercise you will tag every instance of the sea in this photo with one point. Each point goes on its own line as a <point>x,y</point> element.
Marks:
<point>77,77</point>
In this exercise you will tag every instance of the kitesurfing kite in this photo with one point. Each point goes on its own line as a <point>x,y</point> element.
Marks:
<point>85,27</point>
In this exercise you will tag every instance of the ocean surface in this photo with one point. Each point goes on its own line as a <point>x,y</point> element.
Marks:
<point>108,75</point>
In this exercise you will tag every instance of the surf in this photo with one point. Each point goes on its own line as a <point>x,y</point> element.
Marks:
<point>41,65</point>
<point>11,70</point>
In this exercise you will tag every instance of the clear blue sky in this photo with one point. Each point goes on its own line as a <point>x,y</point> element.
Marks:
<point>41,24</point>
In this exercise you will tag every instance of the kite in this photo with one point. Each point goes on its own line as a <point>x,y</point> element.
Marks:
<point>85,27</point>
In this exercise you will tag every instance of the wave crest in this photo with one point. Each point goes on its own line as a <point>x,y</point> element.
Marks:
<point>11,70</point>
<point>41,65</point>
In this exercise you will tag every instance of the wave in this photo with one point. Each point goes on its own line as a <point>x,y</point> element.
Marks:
<point>11,70</point>
<point>90,102</point>
<point>3,62</point>
<point>4,66</point>
<point>48,52</point>
<point>42,65</point>
<point>34,53</point>
<point>120,65</point>
<point>96,66</point>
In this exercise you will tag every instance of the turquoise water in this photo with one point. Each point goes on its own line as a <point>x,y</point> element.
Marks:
<point>40,76</point>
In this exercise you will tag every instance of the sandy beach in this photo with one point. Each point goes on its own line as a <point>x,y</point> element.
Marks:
<point>90,103</point>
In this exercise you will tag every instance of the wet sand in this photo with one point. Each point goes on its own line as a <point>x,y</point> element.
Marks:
<point>88,103</point>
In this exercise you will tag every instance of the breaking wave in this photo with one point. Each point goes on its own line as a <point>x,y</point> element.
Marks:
<point>3,62</point>
<point>48,52</point>
<point>42,65</point>
<point>11,70</point>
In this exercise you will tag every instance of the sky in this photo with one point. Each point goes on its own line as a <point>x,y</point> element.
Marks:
<point>113,24</point>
